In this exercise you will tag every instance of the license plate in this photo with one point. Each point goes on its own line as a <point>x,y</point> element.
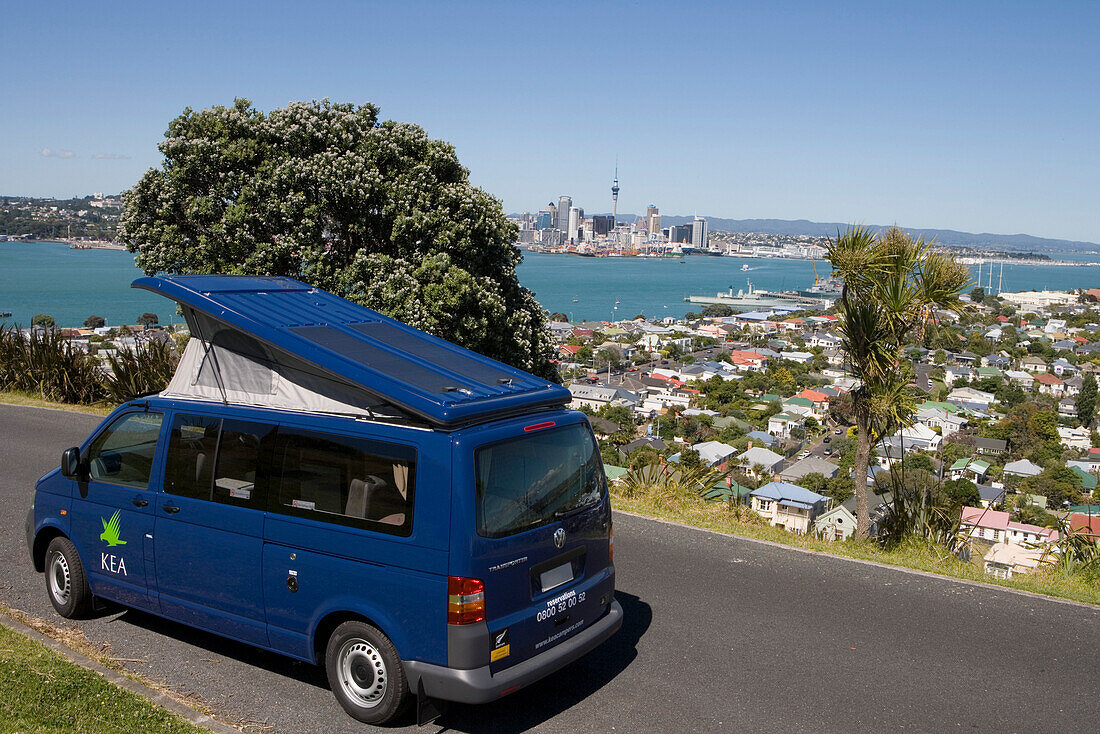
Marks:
<point>557,576</point>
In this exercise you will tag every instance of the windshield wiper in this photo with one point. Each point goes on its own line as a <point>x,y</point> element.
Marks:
<point>573,511</point>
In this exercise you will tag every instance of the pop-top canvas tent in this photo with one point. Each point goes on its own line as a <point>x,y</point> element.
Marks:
<point>280,343</point>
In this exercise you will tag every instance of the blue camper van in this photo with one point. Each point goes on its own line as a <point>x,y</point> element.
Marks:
<point>331,484</point>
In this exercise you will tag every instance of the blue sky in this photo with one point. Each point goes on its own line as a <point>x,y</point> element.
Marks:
<point>978,116</point>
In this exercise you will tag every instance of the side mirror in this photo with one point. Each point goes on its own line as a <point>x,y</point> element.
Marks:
<point>70,463</point>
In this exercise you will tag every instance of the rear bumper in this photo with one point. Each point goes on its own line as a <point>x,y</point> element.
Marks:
<point>478,685</point>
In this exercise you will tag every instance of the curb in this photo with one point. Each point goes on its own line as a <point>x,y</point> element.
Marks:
<point>155,697</point>
<point>876,564</point>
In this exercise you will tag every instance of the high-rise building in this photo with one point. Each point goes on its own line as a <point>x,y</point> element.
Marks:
<point>699,237</point>
<point>602,224</point>
<point>564,202</point>
<point>545,219</point>
<point>576,215</point>
<point>653,218</point>
<point>680,234</point>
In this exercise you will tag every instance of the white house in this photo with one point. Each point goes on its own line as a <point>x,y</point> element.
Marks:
<point>998,526</point>
<point>788,506</point>
<point>780,424</point>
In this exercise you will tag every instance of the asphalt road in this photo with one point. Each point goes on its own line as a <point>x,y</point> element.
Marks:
<point>721,634</point>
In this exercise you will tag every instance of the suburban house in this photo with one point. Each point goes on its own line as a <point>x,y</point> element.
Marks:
<point>1005,560</point>
<point>1050,384</point>
<point>1033,364</point>
<point>809,465</point>
<point>788,506</point>
<point>990,446</point>
<point>714,453</point>
<point>1023,379</point>
<point>780,424</point>
<point>597,396</point>
<point>651,441</point>
<point>766,439</point>
<point>757,456</point>
<point>998,526</point>
<point>839,523</point>
<point>1022,468</point>
<point>1074,438</point>
<point>948,421</point>
<point>972,469</point>
<point>971,399</point>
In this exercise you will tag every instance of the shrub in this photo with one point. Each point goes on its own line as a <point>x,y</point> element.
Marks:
<point>46,364</point>
<point>134,372</point>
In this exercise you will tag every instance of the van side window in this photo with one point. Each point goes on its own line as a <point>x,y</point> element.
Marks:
<point>237,476</point>
<point>346,480</point>
<point>192,448</point>
<point>123,453</point>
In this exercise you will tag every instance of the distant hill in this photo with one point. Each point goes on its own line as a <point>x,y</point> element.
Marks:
<point>1007,242</point>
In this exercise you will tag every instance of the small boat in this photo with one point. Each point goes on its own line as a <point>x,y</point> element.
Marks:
<point>576,300</point>
<point>746,267</point>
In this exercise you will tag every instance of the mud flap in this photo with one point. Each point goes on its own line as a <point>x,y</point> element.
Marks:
<point>427,708</point>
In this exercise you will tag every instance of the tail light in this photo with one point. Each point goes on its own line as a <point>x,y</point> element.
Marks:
<point>465,600</point>
<point>610,542</point>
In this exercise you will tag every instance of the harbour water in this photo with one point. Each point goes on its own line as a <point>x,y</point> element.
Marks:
<point>71,284</point>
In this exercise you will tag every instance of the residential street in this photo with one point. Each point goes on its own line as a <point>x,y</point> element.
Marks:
<point>721,634</point>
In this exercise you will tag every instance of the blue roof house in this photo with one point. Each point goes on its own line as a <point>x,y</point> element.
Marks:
<point>788,506</point>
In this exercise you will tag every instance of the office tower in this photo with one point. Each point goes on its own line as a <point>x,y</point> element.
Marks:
<point>699,236</point>
<point>653,218</point>
<point>602,225</point>
<point>564,202</point>
<point>545,219</point>
<point>680,234</point>
<point>576,214</point>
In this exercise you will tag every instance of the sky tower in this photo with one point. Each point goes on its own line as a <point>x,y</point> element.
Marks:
<point>615,196</point>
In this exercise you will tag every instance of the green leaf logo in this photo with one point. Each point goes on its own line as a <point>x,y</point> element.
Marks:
<point>110,530</point>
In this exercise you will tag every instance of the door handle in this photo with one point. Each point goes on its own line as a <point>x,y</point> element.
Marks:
<point>172,509</point>
<point>138,502</point>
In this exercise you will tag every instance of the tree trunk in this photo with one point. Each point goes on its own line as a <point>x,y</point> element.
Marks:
<point>863,458</point>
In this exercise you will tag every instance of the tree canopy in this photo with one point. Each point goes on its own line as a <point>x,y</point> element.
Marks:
<point>376,212</point>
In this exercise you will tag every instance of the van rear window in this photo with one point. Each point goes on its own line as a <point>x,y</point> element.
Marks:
<point>533,480</point>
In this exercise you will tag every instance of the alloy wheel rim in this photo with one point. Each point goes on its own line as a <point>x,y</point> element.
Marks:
<point>60,583</point>
<point>362,673</point>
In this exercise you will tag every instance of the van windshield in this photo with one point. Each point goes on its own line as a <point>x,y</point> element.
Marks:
<point>533,480</point>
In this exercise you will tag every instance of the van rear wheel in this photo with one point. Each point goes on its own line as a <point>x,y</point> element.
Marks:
<point>66,583</point>
<point>365,673</point>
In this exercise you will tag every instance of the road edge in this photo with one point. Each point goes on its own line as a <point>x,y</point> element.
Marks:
<point>155,697</point>
<point>864,561</point>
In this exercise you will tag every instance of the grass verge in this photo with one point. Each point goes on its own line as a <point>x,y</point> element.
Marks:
<point>41,691</point>
<point>15,397</point>
<point>72,637</point>
<point>718,516</point>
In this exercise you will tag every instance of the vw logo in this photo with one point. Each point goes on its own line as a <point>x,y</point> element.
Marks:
<point>559,537</point>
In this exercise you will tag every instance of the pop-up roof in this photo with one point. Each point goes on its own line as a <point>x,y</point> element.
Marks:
<point>305,329</point>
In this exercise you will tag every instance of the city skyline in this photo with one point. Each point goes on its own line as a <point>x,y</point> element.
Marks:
<point>970,118</point>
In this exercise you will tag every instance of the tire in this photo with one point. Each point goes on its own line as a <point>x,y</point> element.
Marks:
<point>365,673</point>
<point>66,583</point>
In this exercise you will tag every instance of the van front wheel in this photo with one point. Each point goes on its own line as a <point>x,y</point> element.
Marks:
<point>66,584</point>
<point>365,673</point>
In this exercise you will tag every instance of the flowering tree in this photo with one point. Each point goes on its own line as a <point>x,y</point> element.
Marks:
<point>373,211</point>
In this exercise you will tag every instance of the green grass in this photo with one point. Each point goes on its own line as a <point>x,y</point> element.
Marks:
<point>691,510</point>
<point>16,397</point>
<point>41,691</point>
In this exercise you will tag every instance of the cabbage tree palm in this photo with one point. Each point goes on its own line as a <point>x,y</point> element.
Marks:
<point>893,286</point>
